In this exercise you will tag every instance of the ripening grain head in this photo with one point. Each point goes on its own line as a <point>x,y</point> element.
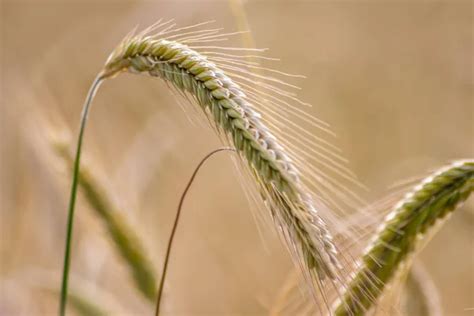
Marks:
<point>255,114</point>
<point>411,220</point>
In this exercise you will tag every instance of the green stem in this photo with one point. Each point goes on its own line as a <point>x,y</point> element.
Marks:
<point>72,200</point>
<point>175,225</point>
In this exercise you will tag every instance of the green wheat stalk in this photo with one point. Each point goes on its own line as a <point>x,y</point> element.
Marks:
<point>72,200</point>
<point>413,217</point>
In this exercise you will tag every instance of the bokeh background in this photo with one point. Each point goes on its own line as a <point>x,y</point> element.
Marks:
<point>393,78</point>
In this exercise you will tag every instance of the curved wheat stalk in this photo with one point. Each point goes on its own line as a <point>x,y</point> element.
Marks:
<point>247,110</point>
<point>175,224</point>
<point>413,217</point>
<point>72,200</point>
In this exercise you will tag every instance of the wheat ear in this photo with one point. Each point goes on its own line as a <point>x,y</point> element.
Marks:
<point>126,241</point>
<point>295,174</point>
<point>413,217</point>
<point>235,119</point>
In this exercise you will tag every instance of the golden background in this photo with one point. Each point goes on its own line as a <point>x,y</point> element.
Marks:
<point>393,78</point>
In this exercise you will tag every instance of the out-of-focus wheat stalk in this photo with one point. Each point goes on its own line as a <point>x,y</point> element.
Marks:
<point>415,215</point>
<point>85,306</point>
<point>126,240</point>
<point>37,282</point>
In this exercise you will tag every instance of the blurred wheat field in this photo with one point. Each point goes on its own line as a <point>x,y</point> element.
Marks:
<point>394,80</point>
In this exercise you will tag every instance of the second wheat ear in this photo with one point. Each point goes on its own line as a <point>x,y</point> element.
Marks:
<point>247,111</point>
<point>410,221</point>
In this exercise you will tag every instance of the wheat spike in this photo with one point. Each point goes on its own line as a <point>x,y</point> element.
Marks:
<point>412,218</point>
<point>231,110</point>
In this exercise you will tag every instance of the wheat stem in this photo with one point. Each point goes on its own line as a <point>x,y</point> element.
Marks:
<point>72,200</point>
<point>175,225</point>
<point>412,218</point>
